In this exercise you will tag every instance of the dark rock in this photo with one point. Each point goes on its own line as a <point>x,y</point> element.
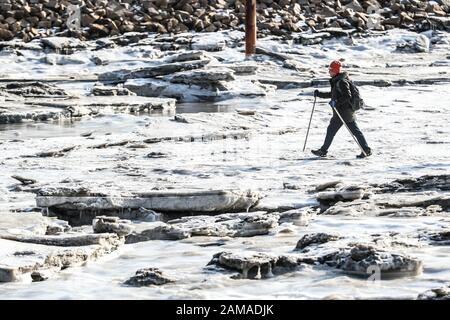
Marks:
<point>148,277</point>
<point>440,237</point>
<point>157,155</point>
<point>6,35</point>
<point>315,238</point>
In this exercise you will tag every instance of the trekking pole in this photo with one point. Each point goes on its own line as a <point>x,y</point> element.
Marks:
<point>354,138</point>
<point>310,119</point>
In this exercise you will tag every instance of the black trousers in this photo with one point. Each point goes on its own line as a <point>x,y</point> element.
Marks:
<point>333,128</point>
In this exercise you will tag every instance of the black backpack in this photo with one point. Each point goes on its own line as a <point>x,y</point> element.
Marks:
<point>356,101</point>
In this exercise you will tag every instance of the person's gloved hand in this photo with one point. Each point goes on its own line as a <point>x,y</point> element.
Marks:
<point>316,93</point>
<point>332,103</point>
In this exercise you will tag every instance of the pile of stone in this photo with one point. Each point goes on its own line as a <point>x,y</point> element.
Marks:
<point>314,239</point>
<point>91,19</point>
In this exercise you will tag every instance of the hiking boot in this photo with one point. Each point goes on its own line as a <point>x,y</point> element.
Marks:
<point>368,153</point>
<point>319,153</point>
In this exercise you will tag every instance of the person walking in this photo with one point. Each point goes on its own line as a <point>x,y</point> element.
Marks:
<point>341,100</point>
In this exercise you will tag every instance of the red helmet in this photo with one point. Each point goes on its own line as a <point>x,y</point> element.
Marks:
<point>335,66</point>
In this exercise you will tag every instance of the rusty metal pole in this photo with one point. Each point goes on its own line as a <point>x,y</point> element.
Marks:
<point>250,27</point>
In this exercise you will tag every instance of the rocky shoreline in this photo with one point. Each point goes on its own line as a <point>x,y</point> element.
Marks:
<point>292,19</point>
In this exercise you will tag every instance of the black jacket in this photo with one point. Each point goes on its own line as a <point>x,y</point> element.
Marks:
<point>341,93</point>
